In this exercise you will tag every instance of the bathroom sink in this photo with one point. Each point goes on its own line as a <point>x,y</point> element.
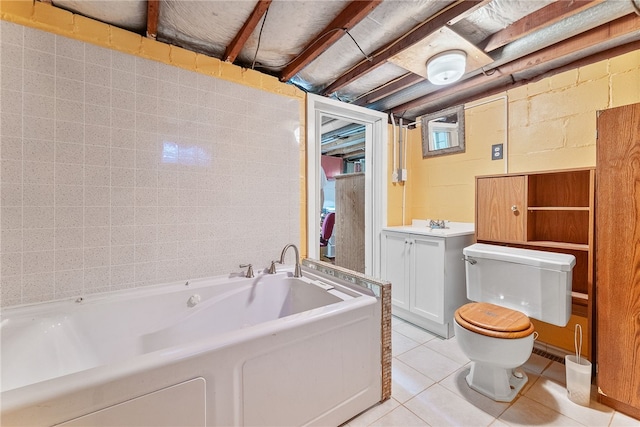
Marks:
<point>421,227</point>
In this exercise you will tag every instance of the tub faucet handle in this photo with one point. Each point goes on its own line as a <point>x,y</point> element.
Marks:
<point>272,268</point>
<point>249,268</point>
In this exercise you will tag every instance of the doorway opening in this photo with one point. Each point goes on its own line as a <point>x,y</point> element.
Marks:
<point>358,138</point>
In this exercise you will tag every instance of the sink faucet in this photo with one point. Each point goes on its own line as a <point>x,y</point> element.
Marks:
<point>297,272</point>
<point>437,223</point>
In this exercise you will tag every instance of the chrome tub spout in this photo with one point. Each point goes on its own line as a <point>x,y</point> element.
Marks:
<point>297,272</point>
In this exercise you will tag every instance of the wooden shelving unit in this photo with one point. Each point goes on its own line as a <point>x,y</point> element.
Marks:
<point>552,211</point>
<point>349,227</point>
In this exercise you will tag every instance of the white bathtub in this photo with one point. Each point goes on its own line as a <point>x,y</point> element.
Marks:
<point>272,350</point>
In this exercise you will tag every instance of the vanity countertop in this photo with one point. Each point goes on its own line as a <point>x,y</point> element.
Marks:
<point>422,227</point>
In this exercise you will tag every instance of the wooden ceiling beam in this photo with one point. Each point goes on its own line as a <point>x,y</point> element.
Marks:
<point>153,12</point>
<point>389,88</point>
<point>381,55</point>
<point>355,12</point>
<point>233,50</point>
<point>541,18</point>
<point>627,25</point>
<point>468,12</point>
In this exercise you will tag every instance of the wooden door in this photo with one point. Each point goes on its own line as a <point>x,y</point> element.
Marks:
<point>618,257</point>
<point>501,208</point>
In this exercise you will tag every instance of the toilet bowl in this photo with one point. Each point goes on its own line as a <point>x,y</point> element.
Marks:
<point>508,286</point>
<point>497,340</point>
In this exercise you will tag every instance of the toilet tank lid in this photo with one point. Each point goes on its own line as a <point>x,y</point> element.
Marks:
<point>535,258</point>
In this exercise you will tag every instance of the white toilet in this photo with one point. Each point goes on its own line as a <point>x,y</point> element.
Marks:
<point>495,333</point>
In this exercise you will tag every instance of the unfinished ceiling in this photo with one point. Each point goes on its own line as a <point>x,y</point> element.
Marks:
<point>373,53</point>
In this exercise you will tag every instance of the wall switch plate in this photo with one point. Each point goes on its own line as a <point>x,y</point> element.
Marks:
<point>496,151</point>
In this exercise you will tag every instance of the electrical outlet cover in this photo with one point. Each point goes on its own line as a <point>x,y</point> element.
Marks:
<point>496,151</point>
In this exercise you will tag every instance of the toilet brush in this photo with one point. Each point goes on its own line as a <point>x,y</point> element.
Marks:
<point>577,341</point>
<point>578,373</point>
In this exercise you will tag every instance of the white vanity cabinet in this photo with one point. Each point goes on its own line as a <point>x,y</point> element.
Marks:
<point>426,272</point>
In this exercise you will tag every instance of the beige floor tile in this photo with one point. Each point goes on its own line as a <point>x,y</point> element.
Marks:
<point>533,378</point>
<point>449,348</point>
<point>396,321</point>
<point>554,396</point>
<point>622,420</point>
<point>536,363</point>
<point>373,414</point>
<point>399,417</point>
<point>415,333</point>
<point>556,372</point>
<point>457,383</point>
<point>401,344</point>
<point>528,412</point>
<point>441,407</point>
<point>430,363</point>
<point>429,388</point>
<point>407,382</point>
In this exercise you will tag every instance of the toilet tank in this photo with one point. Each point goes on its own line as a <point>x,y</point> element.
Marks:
<point>537,283</point>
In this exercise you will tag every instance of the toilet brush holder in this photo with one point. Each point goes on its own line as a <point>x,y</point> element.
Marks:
<point>578,371</point>
<point>578,380</point>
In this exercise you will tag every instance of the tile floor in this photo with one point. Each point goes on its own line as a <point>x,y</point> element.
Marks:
<point>429,389</point>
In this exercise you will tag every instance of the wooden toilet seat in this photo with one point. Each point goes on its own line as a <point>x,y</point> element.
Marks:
<point>494,321</point>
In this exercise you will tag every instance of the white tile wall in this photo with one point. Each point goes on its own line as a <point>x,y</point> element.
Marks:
<point>117,171</point>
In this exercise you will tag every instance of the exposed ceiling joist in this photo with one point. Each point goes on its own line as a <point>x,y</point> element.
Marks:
<point>468,12</point>
<point>621,27</point>
<point>541,18</point>
<point>389,88</point>
<point>517,34</point>
<point>236,45</point>
<point>153,12</point>
<point>342,143</point>
<point>339,128</point>
<point>355,12</point>
<point>381,55</point>
<point>344,151</point>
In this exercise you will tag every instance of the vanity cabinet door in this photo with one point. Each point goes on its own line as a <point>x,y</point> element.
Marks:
<point>427,273</point>
<point>501,208</point>
<point>395,255</point>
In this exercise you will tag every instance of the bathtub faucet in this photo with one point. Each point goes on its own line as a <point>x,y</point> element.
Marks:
<point>297,272</point>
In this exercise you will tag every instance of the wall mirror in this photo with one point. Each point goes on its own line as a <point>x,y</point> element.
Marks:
<point>443,132</point>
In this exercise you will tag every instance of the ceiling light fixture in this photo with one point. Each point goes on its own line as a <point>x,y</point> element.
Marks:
<point>446,67</point>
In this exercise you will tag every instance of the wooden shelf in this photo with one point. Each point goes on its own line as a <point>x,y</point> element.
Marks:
<point>579,296</point>
<point>558,245</point>
<point>559,208</point>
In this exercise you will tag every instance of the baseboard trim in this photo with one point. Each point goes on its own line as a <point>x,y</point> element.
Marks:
<point>550,352</point>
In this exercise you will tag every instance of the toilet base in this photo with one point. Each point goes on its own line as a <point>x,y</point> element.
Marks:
<point>499,384</point>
